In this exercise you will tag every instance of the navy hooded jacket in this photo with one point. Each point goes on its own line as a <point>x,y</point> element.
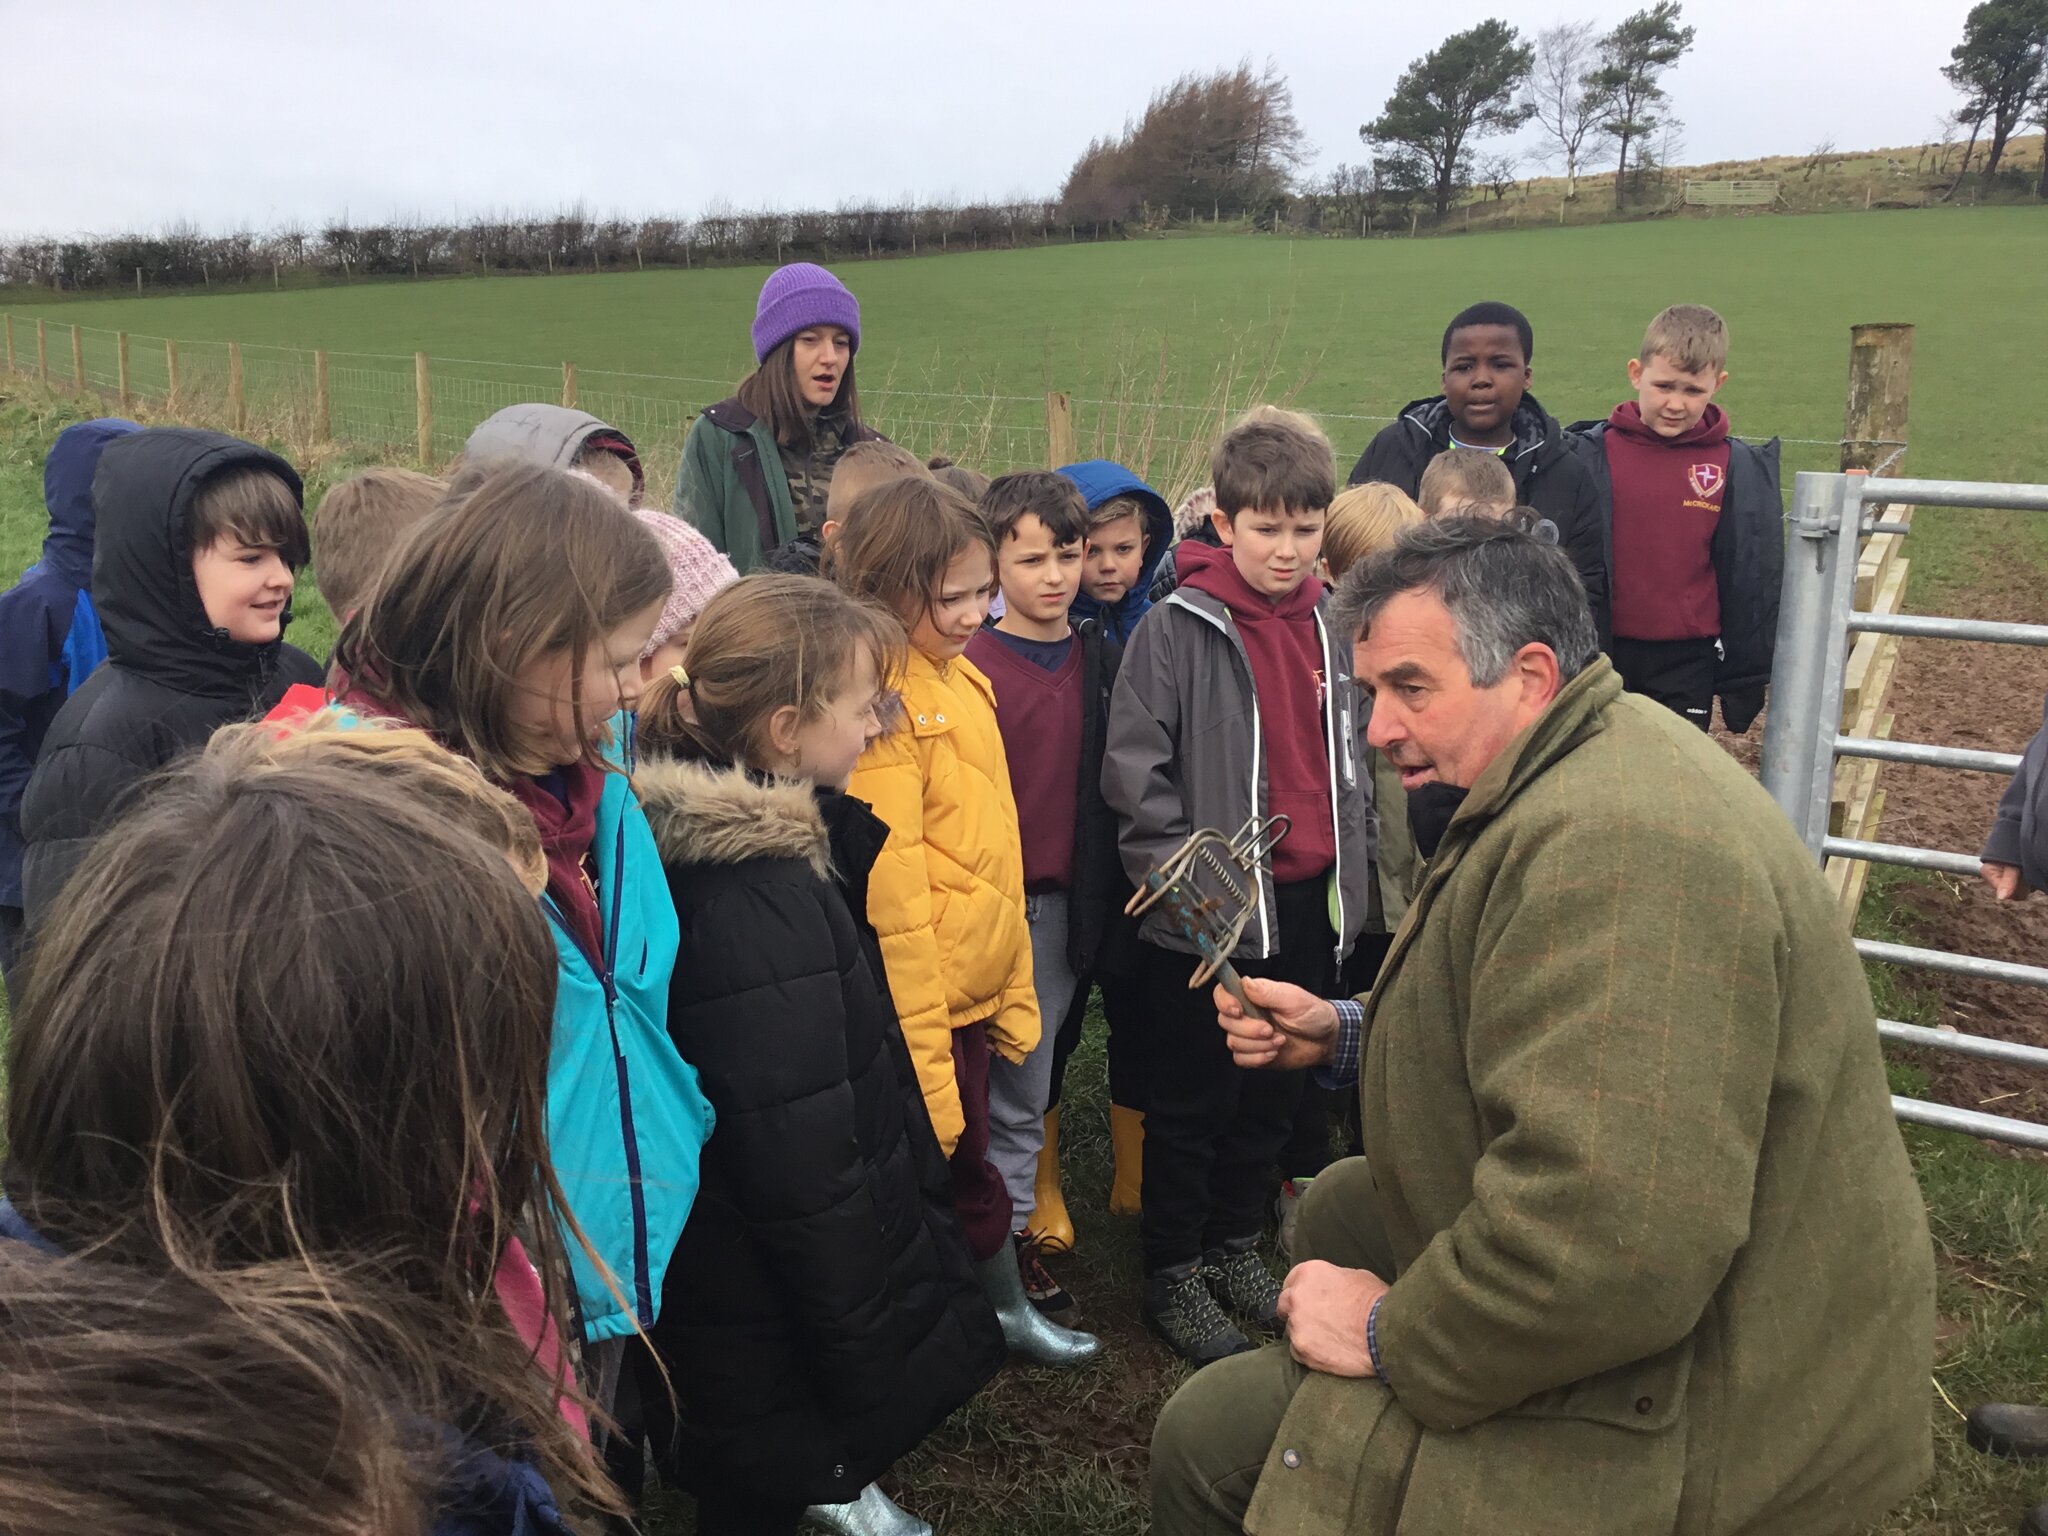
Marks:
<point>1098,480</point>
<point>50,637</point>
<point>171,678</point>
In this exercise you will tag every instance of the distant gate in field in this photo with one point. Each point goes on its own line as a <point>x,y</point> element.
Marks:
<point>1731,194</point>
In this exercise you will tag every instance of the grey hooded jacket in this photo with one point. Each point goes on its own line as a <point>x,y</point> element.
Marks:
<point>2019,834</point>
<point>553,435</point>
<point>1185,750</point>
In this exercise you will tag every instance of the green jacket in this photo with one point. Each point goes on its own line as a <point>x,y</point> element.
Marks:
<point>731,485</point>
<point>1661,1263</point>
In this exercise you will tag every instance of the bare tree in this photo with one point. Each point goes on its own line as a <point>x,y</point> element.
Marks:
<point>1497,172</point>
<point>1571,111</point>
<point>1817,158</point>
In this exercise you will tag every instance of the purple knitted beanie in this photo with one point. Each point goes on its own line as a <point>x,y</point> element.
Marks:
<point>796,297</point>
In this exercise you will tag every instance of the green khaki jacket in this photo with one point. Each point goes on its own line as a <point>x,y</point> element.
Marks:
<point>731,486</point>
<point>1661,1263</point>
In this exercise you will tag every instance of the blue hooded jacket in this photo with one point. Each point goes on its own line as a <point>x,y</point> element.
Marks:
<point>1098,480</point>
<point>50,637</point>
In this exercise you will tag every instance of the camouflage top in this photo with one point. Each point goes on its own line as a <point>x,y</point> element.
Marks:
<point>810,471</point>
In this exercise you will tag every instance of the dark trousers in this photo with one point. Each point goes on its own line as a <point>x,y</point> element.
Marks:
<point>1307,1152</point>
<point>1213,1130</point>
<point>978,1193</point>
<point>1126,1010</point>
<point>1679,674</point>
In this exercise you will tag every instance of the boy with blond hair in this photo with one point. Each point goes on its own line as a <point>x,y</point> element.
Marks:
<point>1235,699</point>
<point>1692,519</point>
<point>356,526</point>
<point>1465,481</point>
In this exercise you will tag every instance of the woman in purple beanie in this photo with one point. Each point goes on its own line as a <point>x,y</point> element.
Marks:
<point>756,467</point>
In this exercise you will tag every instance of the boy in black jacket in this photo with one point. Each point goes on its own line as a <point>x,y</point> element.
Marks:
<point>1692,526</point>
<point>1052,681</point>
<point>1486,404</point>
<point>200,539</point>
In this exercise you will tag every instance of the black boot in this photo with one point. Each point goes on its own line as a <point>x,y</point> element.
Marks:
<point>1179,1308</point>
<point>2016,1431</point>
<point>1239,1280</point>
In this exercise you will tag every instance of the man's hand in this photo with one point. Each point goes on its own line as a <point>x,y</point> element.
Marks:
<point>1307,1036</point>
<point>2005,881</point>
<point>1325,1309</point>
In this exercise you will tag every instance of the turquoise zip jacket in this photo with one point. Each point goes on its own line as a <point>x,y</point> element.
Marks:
<point>626,1119</point>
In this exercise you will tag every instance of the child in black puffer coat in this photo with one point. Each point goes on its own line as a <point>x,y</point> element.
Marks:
<point>821,1315</point>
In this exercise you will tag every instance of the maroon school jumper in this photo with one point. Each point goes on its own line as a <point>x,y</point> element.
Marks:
<point>1668,493</point>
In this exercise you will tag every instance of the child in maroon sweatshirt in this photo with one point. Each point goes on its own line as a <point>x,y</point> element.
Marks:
<point>1694,543</point>
<point>1235,699</point>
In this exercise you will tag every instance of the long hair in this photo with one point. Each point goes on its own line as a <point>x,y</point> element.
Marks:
<point>772,393</point>
<point>762,644</point>
<point>533,562</point>
<point>898,539</point>
<point>289,1011</point>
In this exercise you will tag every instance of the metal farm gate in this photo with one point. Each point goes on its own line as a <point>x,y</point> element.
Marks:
<point>1831,516</point>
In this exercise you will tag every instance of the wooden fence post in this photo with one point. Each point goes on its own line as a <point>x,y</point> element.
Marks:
<point>42,353</point>
<point>1059,428</point>
<point>127,398</point>
<point>323,420</point>
<point>77,360</point>
<point>569,386</point>
<point>1880,373</point>
<point>423,395</point>
<point>170,375</point>
<point>10,343</point>
<point>236,412</point>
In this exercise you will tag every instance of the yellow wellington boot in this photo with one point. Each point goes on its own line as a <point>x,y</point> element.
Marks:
<point>1050,1223</point>
<point>1127,1143</point>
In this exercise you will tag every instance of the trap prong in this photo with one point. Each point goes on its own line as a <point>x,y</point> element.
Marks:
<point>1214,922</point>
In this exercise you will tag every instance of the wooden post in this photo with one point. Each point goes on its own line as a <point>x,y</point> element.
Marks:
<point>1880,373</point>
<point>121,343</point>
<point>77,359</point>
<point>170,375</point>
<point>569,386</point>
<point>42,353</point>
<point>423,396</point>
<point>236,411</point>
<point>1059,428</point>
<point>10,343</point>
<point>323,420</point>
<point>138,282</point>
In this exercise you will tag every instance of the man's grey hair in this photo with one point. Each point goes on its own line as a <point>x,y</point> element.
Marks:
<point>1504,586</point>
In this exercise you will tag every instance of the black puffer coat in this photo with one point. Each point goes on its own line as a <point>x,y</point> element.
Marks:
<point>821,1315</point>
<point>170,679</point>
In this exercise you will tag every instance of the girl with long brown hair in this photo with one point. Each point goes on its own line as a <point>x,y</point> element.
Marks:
<point>510,625</point>
<point>756,467</point>
<point>256,1040</point>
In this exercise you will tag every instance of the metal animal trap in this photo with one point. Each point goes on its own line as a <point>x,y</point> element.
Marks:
<point>1210,888</point>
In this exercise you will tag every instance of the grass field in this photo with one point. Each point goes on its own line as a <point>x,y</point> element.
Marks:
<point>1345,328</point>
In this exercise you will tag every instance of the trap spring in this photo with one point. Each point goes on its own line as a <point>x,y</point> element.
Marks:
<point>1214,919</point>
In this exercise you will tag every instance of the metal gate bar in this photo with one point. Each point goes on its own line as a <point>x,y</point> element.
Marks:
<point>1831,515</point>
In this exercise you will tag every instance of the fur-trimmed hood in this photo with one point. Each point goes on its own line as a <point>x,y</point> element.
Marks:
<point>702,814</point>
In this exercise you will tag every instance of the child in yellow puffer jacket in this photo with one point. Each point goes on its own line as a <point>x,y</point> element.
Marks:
<point>947,894</point>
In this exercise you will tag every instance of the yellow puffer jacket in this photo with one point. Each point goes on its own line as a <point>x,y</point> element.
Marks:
<point>947,894</point>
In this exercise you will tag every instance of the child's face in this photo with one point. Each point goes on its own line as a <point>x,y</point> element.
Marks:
<point>957,609</point>
<point>244,589</point>
<point>1671,399</point>
<point>825,750</point>
<point>1274,551</point>
<point>820,357</point>
<point>1039,577</point>
<point>1485,376</point>
<point>543,705</point>
<point>1113,554</point>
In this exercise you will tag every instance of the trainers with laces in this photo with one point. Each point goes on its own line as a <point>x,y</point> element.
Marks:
<point>1047,1294</point>
<point>1286,1215</point>
<point>1239,1280</point>
<point>1179,1308</point>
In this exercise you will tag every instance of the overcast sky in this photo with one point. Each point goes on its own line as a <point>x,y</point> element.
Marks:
<point>129,115</point>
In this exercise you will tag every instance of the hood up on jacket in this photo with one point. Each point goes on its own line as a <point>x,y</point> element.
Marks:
<point>1098,480</point>
<point>704,814</point>
<point>67,492</point>
<point>142,583</point>
<point>1534,427</point>
<point>536,433</point>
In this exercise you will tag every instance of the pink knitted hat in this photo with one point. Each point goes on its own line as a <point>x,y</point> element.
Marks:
<point>698,569</point>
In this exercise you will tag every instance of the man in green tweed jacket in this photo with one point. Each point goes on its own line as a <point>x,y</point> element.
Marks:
<point>1635,1246</point>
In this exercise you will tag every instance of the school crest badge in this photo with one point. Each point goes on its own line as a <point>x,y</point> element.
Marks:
<point>1706,480</point>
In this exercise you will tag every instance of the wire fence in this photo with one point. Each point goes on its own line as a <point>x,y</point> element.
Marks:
<point>423,408</point>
